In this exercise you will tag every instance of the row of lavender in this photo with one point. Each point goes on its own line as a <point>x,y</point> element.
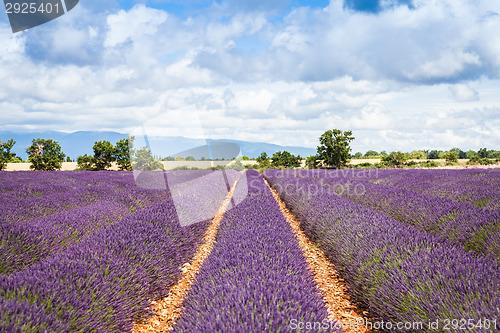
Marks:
<point>30,195</point>
<point>106,281</point>
<point>399,272</point>
<point>473,228</point>
<point>479,187</point>
<point>256,278</point>
<point>114,196</point>
<point>72,205</point>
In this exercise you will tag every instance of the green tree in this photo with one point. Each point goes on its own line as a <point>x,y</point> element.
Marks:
<point>104,154</point>
<point>433,155</point>
<point>123,150</point>
<point>85,162</point>
<point>5,155</point>
<point>190,158</point>
<point>334,150</point>
<point>144,160</point>
<point>451,157</point>
<point>483,153</point>
<point>285,159</point>
<point>371,153</point>
<point>461,154</point>
<point>311,162</point>
<point>263,160</point>
<point>357,155</point>
<point>395,159</point>
<point>45,154</point>
<point>417,155</point>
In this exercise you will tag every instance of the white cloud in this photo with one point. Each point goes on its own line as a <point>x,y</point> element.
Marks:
<point>134,24</point>
<point>463,93</point>
<point>316,70</point>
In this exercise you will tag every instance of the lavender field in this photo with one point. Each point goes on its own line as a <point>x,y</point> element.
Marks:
<point>89,251</point>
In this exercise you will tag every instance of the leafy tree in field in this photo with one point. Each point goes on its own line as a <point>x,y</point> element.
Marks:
<point>483,153</point>
<point>45,154</point>
<point>190,158</point>
<point>68,159</point>
<point>357,155</point>
<point>470,154</point>
<point>418,155</point>
<point>104,154</point>
<point>334,150</point>
<point>311,162</point>
<point>433,155</point>
<point>451,157</point>
<point>5,155</point>
<point>460,154</point>
<point>371,153</point>
<point>86,162</point>
<point>169,158</point>
<point>178,158</point>
<point>123,150</point>
<point>263,160</point>
<point>395,159</point>
<point>493,154</point>
<point>285,159</point>
<point>144,160</point>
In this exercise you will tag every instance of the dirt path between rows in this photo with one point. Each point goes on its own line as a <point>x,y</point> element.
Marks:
<point>169,309</point>
<point>332,288</point>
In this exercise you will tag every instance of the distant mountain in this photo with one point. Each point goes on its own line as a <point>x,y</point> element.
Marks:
<point>79,143</point>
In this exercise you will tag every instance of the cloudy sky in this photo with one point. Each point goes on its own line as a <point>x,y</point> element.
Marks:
<point>401,74</point>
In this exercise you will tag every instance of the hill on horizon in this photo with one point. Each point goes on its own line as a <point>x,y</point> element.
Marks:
<point>79,143</point>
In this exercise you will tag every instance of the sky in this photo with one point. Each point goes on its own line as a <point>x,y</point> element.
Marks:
<point>400,74</point>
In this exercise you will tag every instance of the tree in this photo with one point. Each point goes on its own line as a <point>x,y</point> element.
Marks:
<point>417,155</point>
<point>5,155</point>
<point>371,153</point>
<point>451,157</point>
<point>334,148</point>
<point>144,160</point>
<point>311,162</point>
<point>123,150</point>
<point>104,154</point>
<point>357,155</point>
<point>190,158</point>
<point>461,154</point>
<point>395,159</point>
<point>85,162</point>
<point>470,154</point>
<point>263,160</point>
<point>45,154</point>
<point>483,153</point>
<point>433,155</point>
<point>285,159</point>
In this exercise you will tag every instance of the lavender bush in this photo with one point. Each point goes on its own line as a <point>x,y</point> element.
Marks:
<point>105,282</point>
<point>464,224</point>
<point>256,278</point>
<point>398,271</point>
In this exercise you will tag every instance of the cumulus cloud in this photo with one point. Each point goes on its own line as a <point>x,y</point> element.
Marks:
<point>463,93</point>
<point>387,75</point>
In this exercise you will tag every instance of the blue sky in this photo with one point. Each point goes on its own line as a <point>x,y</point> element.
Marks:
<point>401,74</point>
